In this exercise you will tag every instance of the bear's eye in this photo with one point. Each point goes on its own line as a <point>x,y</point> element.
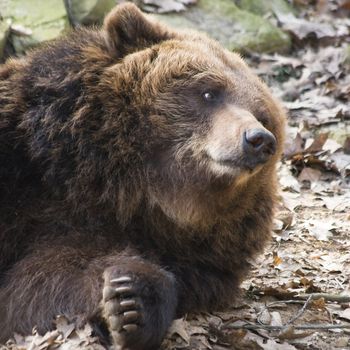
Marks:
<point>208,96</point>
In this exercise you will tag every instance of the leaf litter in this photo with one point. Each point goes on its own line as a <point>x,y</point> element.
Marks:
<point>298,293</point>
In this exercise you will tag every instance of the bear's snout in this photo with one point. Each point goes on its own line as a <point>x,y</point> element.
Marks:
<point>238,142</point>
<point>258,145</point>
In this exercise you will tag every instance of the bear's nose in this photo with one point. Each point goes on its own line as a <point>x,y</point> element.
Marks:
<point>258,145</point>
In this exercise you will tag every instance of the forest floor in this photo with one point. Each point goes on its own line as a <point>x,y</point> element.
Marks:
<point>298,293</point>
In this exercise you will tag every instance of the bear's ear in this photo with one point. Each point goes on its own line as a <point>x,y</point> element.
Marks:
<point>129,30</point>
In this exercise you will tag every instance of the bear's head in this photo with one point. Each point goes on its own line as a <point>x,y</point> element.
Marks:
<point>206,128</point>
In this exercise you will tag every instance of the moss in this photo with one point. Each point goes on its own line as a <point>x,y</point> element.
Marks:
<point>88,11</point>
<point>263,7</point>
<point>222,19</point>
<point>44,21</point>
<point>236,29</point>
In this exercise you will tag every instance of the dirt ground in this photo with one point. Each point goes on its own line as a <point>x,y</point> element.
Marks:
<point>298,293</point>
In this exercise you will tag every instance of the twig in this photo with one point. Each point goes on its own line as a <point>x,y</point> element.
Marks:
<point>340,298</point>
<point>307,297</point>
<point>281,302</point>
<point>279,328</point>
<point>301,311</point>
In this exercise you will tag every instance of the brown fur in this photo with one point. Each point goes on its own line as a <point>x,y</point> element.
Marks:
<point>105,177</point>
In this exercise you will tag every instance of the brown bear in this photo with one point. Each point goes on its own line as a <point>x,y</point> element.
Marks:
<point>137,179</point>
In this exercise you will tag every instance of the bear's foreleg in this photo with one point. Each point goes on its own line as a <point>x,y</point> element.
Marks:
<point>139,304</point>
<point>134,298</point>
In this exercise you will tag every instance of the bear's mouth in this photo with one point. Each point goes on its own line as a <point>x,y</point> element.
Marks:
<point>224,167</point>
<point>243,166</point>
<point>234,164</point>
<point>234,167</point>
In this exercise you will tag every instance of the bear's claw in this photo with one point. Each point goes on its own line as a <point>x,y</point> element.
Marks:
<point>122,308</point>
<point>121,279</point>
<point>138,304</point>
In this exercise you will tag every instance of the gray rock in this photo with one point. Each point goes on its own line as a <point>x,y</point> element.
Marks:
<point>87,11</point>
<point>233,27</point>
<point>34,22</point>
<point>263,7</point>
<point>4,31</point>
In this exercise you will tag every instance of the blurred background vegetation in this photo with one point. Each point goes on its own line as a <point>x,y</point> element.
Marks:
<point>244,25</point>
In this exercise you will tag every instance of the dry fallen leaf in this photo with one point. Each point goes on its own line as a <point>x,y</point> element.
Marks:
<point>270,344</point>
<point>180,327</point>
<point>337,203</point>
<point>321,230</point>
<point>302,29</point>
<point>289,333</point>
<point>293,146</point>
<point>310,175</point>
<point>331,146</point>
<point>316,144</point>
<point>345,314</point>
<point>287,180</point>
<point>265,317</point>
<point>64,327</point>
<point>318,303</point>
<point>342,343</point>
<point>277,260</point>
<point>276,319</point>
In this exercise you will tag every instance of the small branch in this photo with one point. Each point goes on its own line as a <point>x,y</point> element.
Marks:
<point>301,311</point>
<point>280,328</point>
<point>282,302</point>
<point>340,298</point>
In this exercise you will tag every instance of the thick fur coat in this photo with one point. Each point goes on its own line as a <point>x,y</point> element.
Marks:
<point>131,189</point>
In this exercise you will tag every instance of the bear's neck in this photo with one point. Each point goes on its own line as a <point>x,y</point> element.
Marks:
<point>216,245</point>
<point>200,209</point>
